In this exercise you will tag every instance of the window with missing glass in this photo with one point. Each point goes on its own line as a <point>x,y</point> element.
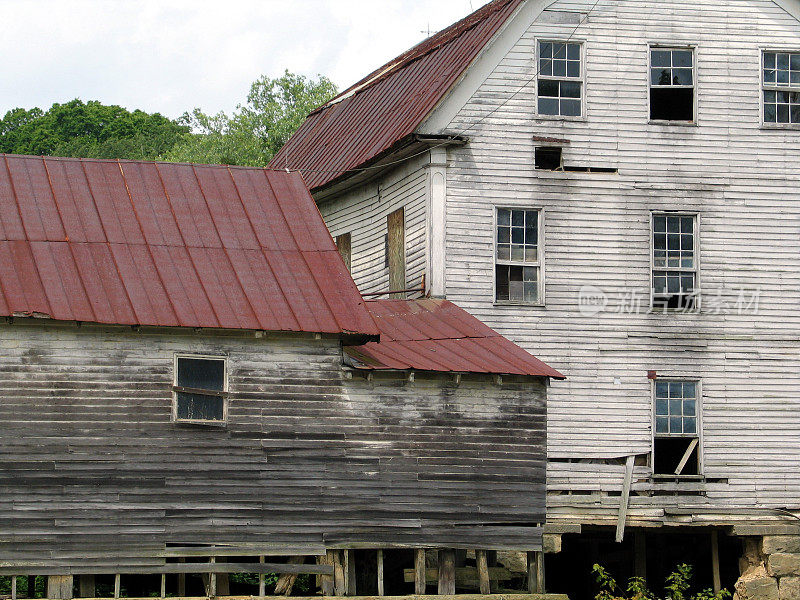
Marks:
<point>560,84</point>
<point>518,257</point>
<point>781,88</point>
<point>201,385</point>
<point>674,261</point>
<point>676,446</point>
<point>672,84</point>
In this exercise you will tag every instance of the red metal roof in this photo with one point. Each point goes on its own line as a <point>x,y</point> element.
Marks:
<point>437,335</point>
<point>143,243</point>
<point>390,103</point>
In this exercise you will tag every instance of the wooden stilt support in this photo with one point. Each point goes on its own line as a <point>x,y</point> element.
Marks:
<point>59,586</point>
<point>715,561</point>
<point>163,585</point>
<point>339,584</point>
<point>13,587</point>
<point>483,571</point>
<point>639,555</point>
<point>116,585</point>
<point>182,581</point>
<point>262,585</point>
<point>212,581</point>
<point>419,572</point>
<point>350,572</point>
<point>380,573</point>
<point>536,572</point>
<point>286,580</point>
<point>447,572</point>
<point>86,587</point>
<point>624,498</point>
<point>326,581</point>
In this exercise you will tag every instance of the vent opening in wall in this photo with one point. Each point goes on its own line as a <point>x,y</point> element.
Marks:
<point>547,158</point>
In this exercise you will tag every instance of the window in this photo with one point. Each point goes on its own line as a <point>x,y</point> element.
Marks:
<point>343,245</point>
<point>396,251</point>
<point>781,81</point>
<point>560,87</point>
<point>676,440</point>
<point>518,256</point>
<point>200,388</point>
<point>672,84</point>
<point>674,261</point>
<point>547,158</point>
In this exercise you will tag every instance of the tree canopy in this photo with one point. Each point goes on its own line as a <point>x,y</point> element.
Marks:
<point>89,130</point>
<point>255,131</point>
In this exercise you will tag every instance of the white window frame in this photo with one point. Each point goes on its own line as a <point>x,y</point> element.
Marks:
<point>582,79</point>
<point>764,87</point>
<point>662,46</point>
<point>224,393</point>
<point>540,255</point>
<point>675,213</point>
<point>699,413</point>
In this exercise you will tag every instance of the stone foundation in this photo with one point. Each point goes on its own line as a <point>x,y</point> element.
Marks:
<point>770,569</point>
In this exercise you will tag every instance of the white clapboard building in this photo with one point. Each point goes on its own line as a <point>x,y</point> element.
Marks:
<point>612,184</point>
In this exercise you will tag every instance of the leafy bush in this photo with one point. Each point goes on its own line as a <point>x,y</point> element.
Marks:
<point>677,586</point>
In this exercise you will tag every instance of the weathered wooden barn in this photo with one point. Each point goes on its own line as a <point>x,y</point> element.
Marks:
<point>615,186</point>
<point>190,382</point>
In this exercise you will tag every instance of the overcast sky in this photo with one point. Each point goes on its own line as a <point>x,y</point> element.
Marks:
<point>172,55</point>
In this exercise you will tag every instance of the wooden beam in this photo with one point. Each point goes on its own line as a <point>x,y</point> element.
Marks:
<point>339,588</point>
<point>286,580</point>
<point>624,498</point>
<point>326,581</point>
<point>116,585</point>
<point>381,590</point>
<point>262,584</point>
<point>686,455</point>
<point>173,568</point>
<point>59,586</point>
<point>163,585</point>
<point>483,571</point>
<point>212,580</point>
<point>715,561</point>
<point>419,572</point>
<point>536,572</point>
<point>13,587</point>
<point>465,576</point>
<point>447,571</point>
<point>350,572</point>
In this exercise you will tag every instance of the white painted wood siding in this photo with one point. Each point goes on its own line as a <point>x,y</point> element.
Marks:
<point>741,179</point>
<point>362,213</point>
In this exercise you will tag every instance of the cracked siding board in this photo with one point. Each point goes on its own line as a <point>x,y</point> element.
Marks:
<point>596,230</point>
<point>363,212</point>
<point>93,471</point>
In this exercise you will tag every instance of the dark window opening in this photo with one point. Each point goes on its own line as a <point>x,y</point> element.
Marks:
<point>668,453</point>
<point>672,104</point>
<point>200,389</point>
<point>547,158</point>
<point>578,169</point>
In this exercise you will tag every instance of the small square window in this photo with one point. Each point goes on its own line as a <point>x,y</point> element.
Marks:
<point>200,389</point>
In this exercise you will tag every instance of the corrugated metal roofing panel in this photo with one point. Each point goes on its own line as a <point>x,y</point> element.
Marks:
<point>142,243</point>
<point>437,335</point>
<point>389,104</point>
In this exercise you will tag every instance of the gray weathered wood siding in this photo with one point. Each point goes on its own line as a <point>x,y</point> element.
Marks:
<point>739,178</point>
<point>94,472</point>
<point>363,215</point>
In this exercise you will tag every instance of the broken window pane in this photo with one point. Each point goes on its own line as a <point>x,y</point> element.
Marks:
<point>196,376</point>
<point>671,84</point>
<point>560,88</point>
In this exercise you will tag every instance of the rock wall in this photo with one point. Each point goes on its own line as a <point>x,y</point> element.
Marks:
<point>770,569</point>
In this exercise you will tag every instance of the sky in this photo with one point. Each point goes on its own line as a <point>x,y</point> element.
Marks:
<point>170,56</point>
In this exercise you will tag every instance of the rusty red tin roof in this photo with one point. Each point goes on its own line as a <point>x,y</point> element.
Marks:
<point>144,243</point>
<point>437,335</point>
<point>389,104</point>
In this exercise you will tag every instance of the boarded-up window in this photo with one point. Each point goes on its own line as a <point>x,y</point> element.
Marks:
<point>343,245</point>
<point>200,388</point>
<point>396,250</point>
<point>676,448</point>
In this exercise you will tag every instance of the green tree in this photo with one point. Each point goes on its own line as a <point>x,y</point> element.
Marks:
<point>255,131</point>
<point>91,130</point>
<point>677,587</point>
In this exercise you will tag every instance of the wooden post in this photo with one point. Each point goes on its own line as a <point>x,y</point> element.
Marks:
<point>447,572</point>
<point>262,586</point>
<point>286,580</point>
<point>326,582</point>
<point>623,500</point>
<point>212,581</point>
<point>116,585</point>
<point>86,587</point>
<point>59,586</point>
<point>182,581</point>
<point>536,572</point>
<point>639,555</point>
<point>350,573</point>
<point>163,585</point>
<point>419,572</point>
<point>13,587</point>
<point>483,571</point>
<point>339,585</point>
<point>380,573</point>
<point>715,561</point>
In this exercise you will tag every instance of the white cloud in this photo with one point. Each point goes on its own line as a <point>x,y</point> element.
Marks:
<point>170,56</point>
